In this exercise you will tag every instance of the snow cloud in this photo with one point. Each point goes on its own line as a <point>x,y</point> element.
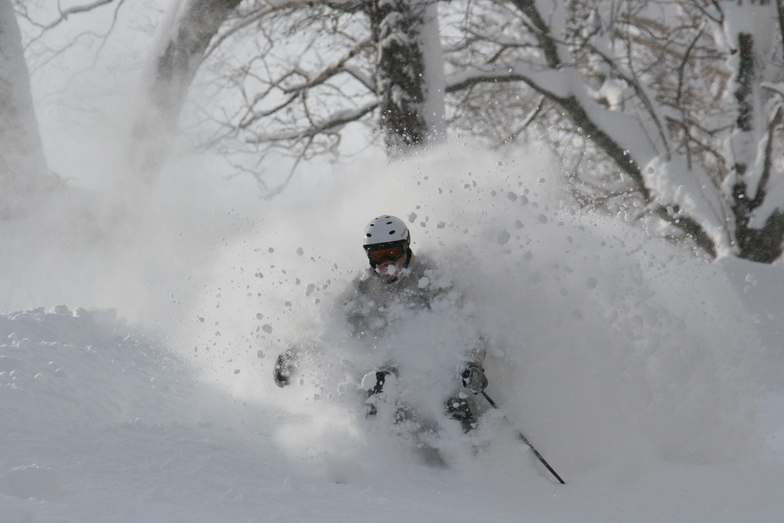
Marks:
<point>603,338</point>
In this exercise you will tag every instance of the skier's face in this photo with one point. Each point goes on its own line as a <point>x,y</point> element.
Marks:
<point>388,259</point>
<point>390,269</point>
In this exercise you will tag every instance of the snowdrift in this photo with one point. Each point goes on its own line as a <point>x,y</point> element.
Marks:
<point>645,375</point>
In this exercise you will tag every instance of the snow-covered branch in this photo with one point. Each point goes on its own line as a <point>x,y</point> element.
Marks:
<point>617,134</point>
<point>331,69</point>
<point>63,14</point>
<point>333,123</point>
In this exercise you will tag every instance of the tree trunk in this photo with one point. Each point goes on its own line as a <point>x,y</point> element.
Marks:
<point>760,244</point>
<point>409,73</point>
<point>180,42</point>
<point>23,169</point>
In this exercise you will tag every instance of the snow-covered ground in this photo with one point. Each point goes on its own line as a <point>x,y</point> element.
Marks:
<point>650,379</point>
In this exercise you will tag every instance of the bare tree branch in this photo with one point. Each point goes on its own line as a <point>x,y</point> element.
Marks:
<point>331,124</point>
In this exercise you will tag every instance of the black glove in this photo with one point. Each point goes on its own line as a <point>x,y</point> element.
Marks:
<point>285,367</point>
<point>373,382</point>
<point>474,379</point>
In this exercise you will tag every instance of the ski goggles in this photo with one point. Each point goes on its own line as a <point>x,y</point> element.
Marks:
<point>392,253</point>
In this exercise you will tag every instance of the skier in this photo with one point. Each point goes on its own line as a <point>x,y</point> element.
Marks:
<point>396,286</point>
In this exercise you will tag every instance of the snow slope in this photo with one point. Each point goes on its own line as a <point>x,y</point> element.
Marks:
<point>647,377</point>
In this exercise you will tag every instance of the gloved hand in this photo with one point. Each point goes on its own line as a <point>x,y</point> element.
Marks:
<point>474,379</point>
<point>373,382</point>
<point>285,367</point>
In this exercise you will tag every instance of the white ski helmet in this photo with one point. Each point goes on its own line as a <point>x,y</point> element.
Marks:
<point>386,229</point>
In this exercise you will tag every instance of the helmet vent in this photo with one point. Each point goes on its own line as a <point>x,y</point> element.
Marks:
<point>385,229</point>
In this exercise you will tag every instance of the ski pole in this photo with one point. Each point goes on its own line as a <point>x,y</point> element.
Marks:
<point>526,442</point>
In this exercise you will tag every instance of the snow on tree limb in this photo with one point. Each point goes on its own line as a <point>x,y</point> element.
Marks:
<point>65,13</point>
<point>618,134</point>
<point>247,18</point>
<point>329,70</point>
<point>622,137</point>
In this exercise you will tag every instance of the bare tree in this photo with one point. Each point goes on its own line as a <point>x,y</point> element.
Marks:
<point>183,36</point>
<point>23,169</point>
<point>24,174</point>
<point>301,70</point>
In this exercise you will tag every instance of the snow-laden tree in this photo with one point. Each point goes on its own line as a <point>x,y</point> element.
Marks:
<point>753,35</point>
<point>665,111</point>
<point>23,169</point>
<point>300,70</point>
<point>668,110</point>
